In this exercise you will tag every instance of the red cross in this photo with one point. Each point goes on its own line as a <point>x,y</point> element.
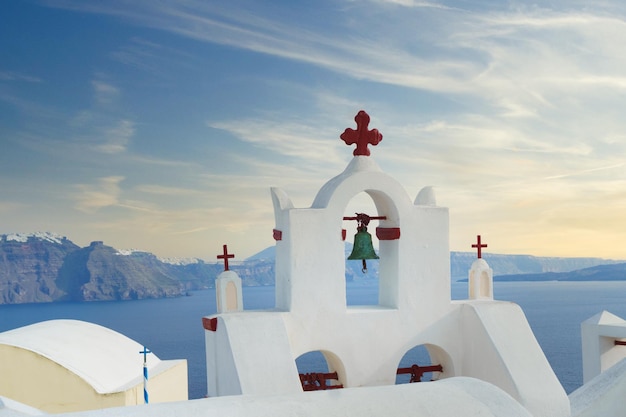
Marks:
<point>225,257</point>
<point>479,246</point>
<point>361,136</point>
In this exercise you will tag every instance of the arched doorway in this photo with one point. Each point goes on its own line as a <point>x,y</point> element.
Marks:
<point>361,287</point>
<point>417,365</point>
<point>320,370</point>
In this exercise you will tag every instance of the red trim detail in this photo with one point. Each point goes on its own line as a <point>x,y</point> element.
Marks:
<point>388,233</point>
<point>278,234</point>
<point>343,234</point>
<point>620,343</point>
<point>209,323</point>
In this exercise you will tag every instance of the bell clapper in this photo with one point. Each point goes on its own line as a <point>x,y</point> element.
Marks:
<point>364,269</point>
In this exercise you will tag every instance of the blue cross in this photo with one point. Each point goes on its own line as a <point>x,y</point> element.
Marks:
<point>145,351</point>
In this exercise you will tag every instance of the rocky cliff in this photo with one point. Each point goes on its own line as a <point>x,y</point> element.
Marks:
<point>30,265</point>
<point>100,272</point>
<point>44,268</point>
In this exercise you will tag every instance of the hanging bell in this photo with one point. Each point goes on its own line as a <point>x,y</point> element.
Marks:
<point>363,248</point>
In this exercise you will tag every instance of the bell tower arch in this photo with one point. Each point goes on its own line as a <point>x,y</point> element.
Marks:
<point>413,239</point>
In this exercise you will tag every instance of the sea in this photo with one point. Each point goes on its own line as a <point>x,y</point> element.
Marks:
<point>172,327</point>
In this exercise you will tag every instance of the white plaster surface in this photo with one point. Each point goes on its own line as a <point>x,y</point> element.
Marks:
<point>464,397</point>
<point>264,363</point>
<point>598,335</point>
<point>228,292</point>
<point>500,348</point>
<point>603,396</point>
<point>426,197</point>
<point>107,360</point>
<point>480,280</point>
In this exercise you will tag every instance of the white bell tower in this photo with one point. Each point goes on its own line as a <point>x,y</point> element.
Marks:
<point>480,280</point>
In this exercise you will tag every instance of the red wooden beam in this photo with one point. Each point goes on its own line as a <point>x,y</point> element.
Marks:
<point>620,342</point>
<point>370,217</point>
<point>417,371</point>
<point>316,381</point>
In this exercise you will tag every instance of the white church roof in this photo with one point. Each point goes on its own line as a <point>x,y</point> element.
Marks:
<point>105,359</point>
<point>459,396</point>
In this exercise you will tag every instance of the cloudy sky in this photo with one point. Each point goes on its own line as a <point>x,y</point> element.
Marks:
<point>161,125</point>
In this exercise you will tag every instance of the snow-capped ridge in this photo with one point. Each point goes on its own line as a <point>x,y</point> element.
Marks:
<point>171,261</point>
<point>46,236</point>
<point>179,261</point>
<point>128,252</point>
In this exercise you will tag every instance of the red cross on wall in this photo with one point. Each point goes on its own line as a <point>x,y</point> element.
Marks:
<point>361,136</point>
<point>226,256</point>
<point>479,246</point>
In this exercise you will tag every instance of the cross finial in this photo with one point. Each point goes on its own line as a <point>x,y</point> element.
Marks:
<point>145,351</point>
<point>361,136</point>
<point>479,246</point>
<point>225,256</point>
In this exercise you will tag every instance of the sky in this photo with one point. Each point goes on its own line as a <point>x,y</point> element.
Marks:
<point>161,125</point>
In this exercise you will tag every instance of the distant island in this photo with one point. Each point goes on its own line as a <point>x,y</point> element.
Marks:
<point>610,272</point>
<point>45,267</point>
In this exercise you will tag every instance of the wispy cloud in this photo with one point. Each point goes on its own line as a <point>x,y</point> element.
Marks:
<point>85,140</point>
<point>28,107</point>
<point>279,136</point>
<point>513,57</point>
<point>338,50</point>
<point>414,3</point>
<point>149,160</point>
<point>154,58</point>
<point>104,193</point>
<point>117,137</point>
<point>167,191</point>
<point>104,92</point>
<point>586,171</point>
<point>138,53</point>
<point>15,76</point>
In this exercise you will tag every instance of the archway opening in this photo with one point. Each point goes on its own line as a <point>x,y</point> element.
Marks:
<point>417,366</point>
<point>362,287</point>
<point>319,370</point>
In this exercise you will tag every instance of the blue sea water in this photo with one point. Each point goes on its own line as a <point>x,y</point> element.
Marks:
<point>172,328</point>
